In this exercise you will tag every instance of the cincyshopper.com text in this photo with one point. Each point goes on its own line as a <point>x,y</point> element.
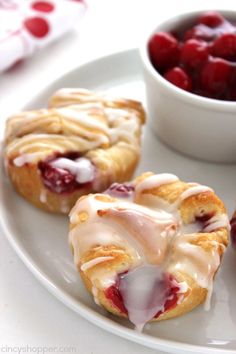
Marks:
<point>36,349</point>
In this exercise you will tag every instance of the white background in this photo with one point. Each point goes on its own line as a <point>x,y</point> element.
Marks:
<point>29,315</point>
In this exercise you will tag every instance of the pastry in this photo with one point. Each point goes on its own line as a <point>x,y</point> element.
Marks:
<point>149,249</point>
<point>55,155</point>
<point>71,96</point>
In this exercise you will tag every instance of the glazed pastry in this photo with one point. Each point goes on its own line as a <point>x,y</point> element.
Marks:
<point>55,155</point>
<point>71,96</point>
<point>149,249</point>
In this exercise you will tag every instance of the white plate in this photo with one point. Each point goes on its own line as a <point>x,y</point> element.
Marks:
<point>40,239</point>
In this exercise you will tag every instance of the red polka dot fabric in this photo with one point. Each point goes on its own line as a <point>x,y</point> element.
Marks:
<point>37,26</point>
<point>43,6</point>
<point>41,24</point>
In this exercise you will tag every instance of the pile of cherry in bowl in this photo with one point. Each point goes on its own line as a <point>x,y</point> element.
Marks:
<point>200,59</point>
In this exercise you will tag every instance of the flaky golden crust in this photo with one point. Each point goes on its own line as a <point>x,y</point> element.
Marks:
<point>29,185</point>
<point>196,206</point>
<point>110,140</point>
<point>191,208</point>
<point>68,96</point>
<point>194,297</point>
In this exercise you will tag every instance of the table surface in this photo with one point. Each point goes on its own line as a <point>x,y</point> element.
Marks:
<point>30,317</point>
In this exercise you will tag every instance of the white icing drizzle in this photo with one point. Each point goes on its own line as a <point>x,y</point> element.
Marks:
<point>144,301</point>
<point>46,144</point>
<point>24,158</point>
<point>194,190</point>
<point>183,287</point>
<point>155,181</point>
<point>79,127</point>
<point>95,295</point>
<point>43,196</point>
<point>193,260</point>
<point>207,304</point>
<point>81,168</point>
<point>116,113</point>
<point>152,237</point>
<point>64,206</point>
<point>65,97</point>
<point>81,116</point>
<point>216,222</point>
<point>88,235</point>
<point>151,233</point>
<point>85,266</point>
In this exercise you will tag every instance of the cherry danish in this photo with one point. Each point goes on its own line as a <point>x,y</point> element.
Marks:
<point>83,143</point>
<point>149,250</point>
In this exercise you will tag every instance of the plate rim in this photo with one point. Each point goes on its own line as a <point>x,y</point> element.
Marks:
<point>75,305</point>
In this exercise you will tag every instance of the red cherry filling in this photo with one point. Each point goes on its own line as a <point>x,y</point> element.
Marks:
<point>179,77</point>
<point>204,220</point>
<point>194,53</point>
<point>123,190</point>
<point>171,294</point>
<point>211,19</point>
<point>199,32</point>
<point>113,294</point>
<point>199,59</point>
<point>215,76</point>
<point>233,231</point>
<point>225,46</point>
<point>59,180</point>
<point>163,49</point>
<point>204,217</point>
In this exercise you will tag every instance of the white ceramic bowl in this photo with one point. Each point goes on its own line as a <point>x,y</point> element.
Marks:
<point>200,127</point>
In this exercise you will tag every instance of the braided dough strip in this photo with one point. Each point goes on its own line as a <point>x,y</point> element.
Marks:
<point>70,96</point>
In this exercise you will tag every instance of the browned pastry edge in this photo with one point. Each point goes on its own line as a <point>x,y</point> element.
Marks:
<point>28,182</point>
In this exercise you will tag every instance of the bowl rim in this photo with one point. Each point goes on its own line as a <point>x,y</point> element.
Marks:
<point>174,90</point>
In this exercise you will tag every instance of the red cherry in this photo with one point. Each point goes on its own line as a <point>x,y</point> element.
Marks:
<point>232,97</point>
<point>179,77</point>
<point>113,294</point>
<point>119,190</point>
<point>163,50</point>
<point>199,32</point>
<point>205,217</point>
<point>172,290</point>
<point>211,19</point>
<point>194,53</point>
<point>37,26</point>
<point>43,6</point>
<point>233,232</point>
<point>215,76</point>
<point>225,46</point>
<point>59,180</point>
<point>168,283</point>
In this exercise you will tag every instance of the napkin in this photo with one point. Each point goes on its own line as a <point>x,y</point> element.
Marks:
<point>27,26</point>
